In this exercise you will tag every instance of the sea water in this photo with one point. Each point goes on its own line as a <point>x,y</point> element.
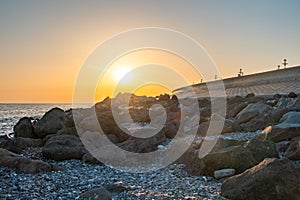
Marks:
<point>10,114</point>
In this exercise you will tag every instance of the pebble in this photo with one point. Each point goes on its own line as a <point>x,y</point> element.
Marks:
<point>171,182</point>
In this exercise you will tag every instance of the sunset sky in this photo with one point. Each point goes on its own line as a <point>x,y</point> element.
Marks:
<point>45,43</point>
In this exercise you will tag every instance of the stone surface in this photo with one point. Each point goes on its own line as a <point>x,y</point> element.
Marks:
<point>251,111</point>
<point>224,173</point>
<point>275,179</point>
<point>277,134</point>
<point>63,147</point>
<point>293,152</point>
<point>50,123</point>
<point>24,165</point>
<point>235,157</point>
<point>17,145</point>
<point>24,128</point>
<point>261,149</point>
<point>290,119</point>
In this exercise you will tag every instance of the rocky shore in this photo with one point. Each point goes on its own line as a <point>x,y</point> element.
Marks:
<point>255,157</point>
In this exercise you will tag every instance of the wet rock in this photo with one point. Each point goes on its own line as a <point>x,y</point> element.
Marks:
<point>63,147</point>
<point>50,123</point>
<point>24,128</point>
<point>271,179</point>
<point>24,165</point>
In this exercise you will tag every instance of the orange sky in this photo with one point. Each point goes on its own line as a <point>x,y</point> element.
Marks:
<point>43,44</point>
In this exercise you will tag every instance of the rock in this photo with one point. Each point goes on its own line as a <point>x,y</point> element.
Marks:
<point>99,193</point>
<point>164,97</point>
<point>24,128</point>
<point>109,126</point>
<point>273,178</point>
<point>191,159</point>
<point>293,152</point>
<point>234,109</point>
<point>292,95</point>
<point>277,96</point>
<point>249,95</point>
<point>252,111</point>
<point>144,145</point>
<point>90,124</point>
<point>50,123</point>
<point>294,104</point>
<point>67,131</point>
<point>17,145</point>
<point>282,146</point>
<point>69,120</point>
<point>276,115</point>
<point>88,158</point>
<point>290,119</point>
<point>224,173</point>
<point>235,157</point>
<point>282,102</point>
<point>261,149</point>
<point>24,165</point>
<point>230,125</point>
<point>63,147</point>
<point>271,102</point>
<point>278,134</point>
<point>171,129</point>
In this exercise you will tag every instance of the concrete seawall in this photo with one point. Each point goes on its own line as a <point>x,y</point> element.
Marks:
<point>280,81</point>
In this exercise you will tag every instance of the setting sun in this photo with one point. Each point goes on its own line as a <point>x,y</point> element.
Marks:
<point>121,72</point>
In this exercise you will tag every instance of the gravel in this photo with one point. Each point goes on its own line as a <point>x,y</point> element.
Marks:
<point>171,182</point>
<point>242,136</point>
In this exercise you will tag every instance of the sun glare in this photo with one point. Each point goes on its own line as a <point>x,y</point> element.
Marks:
<point>120,72</point>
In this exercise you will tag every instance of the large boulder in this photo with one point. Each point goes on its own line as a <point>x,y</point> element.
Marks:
<point>290,119</point>
<point>278,134</point>
<point>50,123</point>
<point>234,157</point>
<point>63,147</point>
<point>273,178</point>
<point>24,128</point>
<point>17,145</point>
<point>191,156</point>
<point>24,165</point>
<point>261,149</point>
<point>251,111</point>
